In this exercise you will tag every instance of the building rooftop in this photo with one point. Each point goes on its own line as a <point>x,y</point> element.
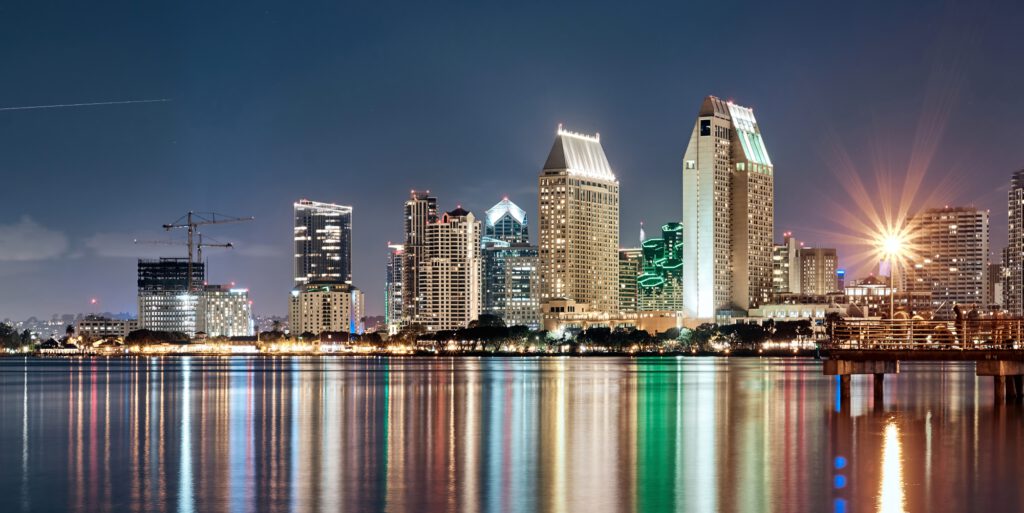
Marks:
<point>579,154</point>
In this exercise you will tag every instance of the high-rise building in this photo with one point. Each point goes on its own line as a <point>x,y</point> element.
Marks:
<point>728,212</point>
<point>994,287</point>
<point>319,307</point>
<point>165,301</point>
<point>419,211</point>
<point>509,273</point>
<point>630,266</point>
<point>449,274</point>
<point>579,224</point>
<point>1013,255</point>
<point>393,288</point>
<point>223,311</point>
<point>950,257</point>
<point>510,283</point>
<point>660,284</point>
<point>323,242</point>
<point>786,265</point>
<point>506,222</point>
<point>818,267</point>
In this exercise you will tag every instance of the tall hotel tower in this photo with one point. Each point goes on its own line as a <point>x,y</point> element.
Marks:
<point>579,224</point>
<point>728,212</point>
<point>419,211</point>
<point>323,242</point>
<point>1013,255</point>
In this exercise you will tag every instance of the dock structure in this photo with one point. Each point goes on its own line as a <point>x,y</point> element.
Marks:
<point>877,347</point>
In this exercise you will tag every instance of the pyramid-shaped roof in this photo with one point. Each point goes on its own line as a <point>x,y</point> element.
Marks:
<point>579,154</point>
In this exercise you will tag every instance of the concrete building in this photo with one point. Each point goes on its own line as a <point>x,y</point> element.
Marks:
<point>325,307</point>
<point>506,222</point>
<point>994,287</point>
<point>393,292</point>
<point>511,288</point>
<point>449,274</point>
<point>323,242</point>
<point>579,224</point>
<point>818,268</point>
<point>785,265</point>
<point>223,311</point>
<point>951,248</point>
<point>418,211</point>
<point>728,212</point>
<point>630,266</point>
<point>165,301</point>
<point>1013,255</point>
<point>566,316</point>
<point>97,327</point>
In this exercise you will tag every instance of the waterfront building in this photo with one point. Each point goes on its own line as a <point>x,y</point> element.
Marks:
<point>728,212</point>
<point>630,267</point>
<point>319,307</point>
<point>1013,255</point>
<point>506,222</point>
<point>449,274</point>
<point>785,265</point>
<point>660,284</point>
<point>393,288</point>
<point>579,224</point>
<point>165,301</point>
<point>323,242</point>
<point>950,261</point>
<point>510,283</point>
<point>818,268</point>
<point>99,327</point>
<point>994,287</point>
<point>565,316</point>
<point>419,211</point>
<point>224,311</point>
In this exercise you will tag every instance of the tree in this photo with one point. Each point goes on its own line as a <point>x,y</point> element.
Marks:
<point>144,336</point>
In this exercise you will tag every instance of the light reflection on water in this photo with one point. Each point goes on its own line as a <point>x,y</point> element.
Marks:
<point>519,435</point>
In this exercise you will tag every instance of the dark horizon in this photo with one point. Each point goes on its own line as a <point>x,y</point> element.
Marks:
<point>358,104</point>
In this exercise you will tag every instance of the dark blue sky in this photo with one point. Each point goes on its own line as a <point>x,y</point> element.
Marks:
<point>357,103</point>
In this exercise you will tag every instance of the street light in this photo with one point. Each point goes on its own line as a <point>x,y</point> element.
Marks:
<point>892,246</point>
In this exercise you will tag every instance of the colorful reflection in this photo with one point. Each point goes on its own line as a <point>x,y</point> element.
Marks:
<point>311,434</point>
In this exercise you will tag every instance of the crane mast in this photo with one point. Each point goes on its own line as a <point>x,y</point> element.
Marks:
<point>191,222</point>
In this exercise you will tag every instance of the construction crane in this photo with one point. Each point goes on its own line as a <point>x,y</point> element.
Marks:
<point>192,221</point>
<point>199,246</point>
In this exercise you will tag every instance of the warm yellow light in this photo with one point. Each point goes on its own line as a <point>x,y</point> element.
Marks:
<point>892,245</point>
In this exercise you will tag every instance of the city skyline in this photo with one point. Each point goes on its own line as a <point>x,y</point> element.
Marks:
<point>211,149</point>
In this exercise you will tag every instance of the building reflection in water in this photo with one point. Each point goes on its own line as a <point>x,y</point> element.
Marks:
<point>520,435</point>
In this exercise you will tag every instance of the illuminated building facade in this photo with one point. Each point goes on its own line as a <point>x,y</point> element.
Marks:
<point>509,267</point>
<point>165,303</point>
<point>818,271</point>
<point>1013,255</point>
<point>224,312</point>
<point>323,242</point>
<point>98,327</point>
<point>660,284</point>
<point>951,247</point>
<point>325,307</point>
<point>728,212</point>
<point>786,265</point>
<point>579,224</point>
<point>419,211</point>
<point>630,267</point>
<point>449,281</point>
<point>393,288</point>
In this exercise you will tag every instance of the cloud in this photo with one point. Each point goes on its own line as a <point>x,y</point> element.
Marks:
<point>27,240</point>
<point>260,250</point>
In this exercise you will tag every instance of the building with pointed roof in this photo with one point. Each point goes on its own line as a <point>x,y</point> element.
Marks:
<point>728,213</point>
<point>505,221</point>
<point>579,224</point>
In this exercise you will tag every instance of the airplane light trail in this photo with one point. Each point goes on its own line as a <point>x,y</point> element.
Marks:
<point>57,106</point>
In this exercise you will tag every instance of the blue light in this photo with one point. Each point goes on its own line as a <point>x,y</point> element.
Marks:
<point>840,462</point>
<point>839,481</point>
<point>839,506</point>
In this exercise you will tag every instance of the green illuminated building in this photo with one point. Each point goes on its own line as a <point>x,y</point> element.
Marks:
<point>660,284</point>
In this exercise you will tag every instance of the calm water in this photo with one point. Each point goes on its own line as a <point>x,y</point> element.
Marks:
<point>522,435</point>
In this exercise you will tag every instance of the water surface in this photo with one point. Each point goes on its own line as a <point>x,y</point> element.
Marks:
<point>494,434</point>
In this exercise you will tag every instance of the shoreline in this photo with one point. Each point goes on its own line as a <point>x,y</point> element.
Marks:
<point>803,354</point>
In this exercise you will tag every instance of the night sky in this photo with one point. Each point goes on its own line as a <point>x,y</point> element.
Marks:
<point>357,103</point>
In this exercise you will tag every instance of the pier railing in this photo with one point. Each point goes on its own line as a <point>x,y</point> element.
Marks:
<point>910,334</point>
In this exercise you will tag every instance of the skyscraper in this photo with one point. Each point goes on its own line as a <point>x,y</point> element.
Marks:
<point>393,287</point>
<point>165,303</point>
<point>818,268</point>
<point>728,212</point>
<point>660,285</point>
<point>951,257</point>
<point>631,264</point>
<point>319,307</point>
<point>449,274</point>
<point>1013,255</point>
<point>509,267</point>
<point>323,242</point>
<point>786,265</point>
<point>579,224</point>
<point>419,211</point>
<point>224,312</point>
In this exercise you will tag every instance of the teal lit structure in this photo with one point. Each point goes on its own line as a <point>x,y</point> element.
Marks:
<point>660,284</point>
